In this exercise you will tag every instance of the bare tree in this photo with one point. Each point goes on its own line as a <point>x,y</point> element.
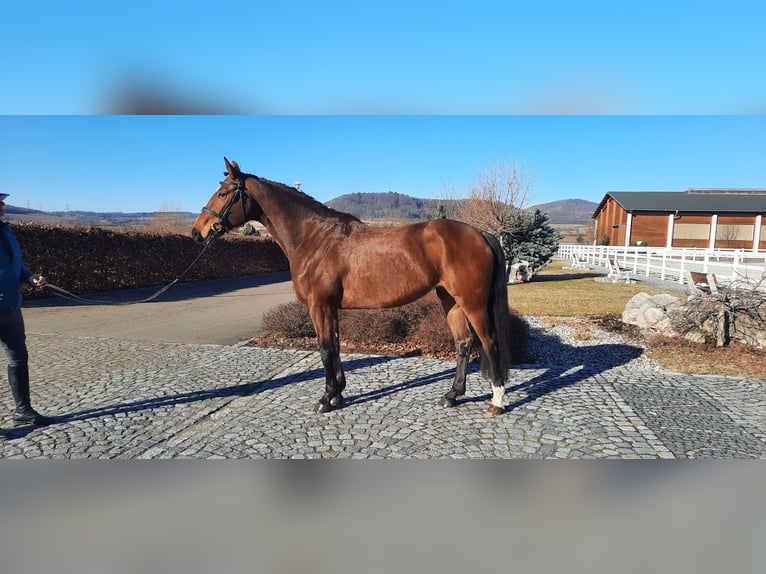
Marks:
<point>496,197</point>
<point>497,202</point>
<point>451,199</point>
<point>735,312</point>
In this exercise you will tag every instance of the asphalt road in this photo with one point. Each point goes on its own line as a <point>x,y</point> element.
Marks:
<point>221,311</point>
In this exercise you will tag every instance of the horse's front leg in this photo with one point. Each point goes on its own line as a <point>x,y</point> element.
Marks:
<point>325,321</point>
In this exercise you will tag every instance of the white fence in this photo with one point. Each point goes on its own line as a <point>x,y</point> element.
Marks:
<point>671,264</point>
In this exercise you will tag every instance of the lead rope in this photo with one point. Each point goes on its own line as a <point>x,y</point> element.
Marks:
<point>64,294</point>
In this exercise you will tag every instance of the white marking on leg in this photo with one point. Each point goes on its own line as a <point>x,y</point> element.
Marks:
<point>498,394</point>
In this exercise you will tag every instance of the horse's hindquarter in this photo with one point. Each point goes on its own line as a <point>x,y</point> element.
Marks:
<point>467,262</point>
<point>391,267</point>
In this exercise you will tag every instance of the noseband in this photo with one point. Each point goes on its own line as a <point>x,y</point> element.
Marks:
<point>221,226</point>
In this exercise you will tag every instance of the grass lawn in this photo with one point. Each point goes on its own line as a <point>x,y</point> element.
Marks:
<point>560,292</point>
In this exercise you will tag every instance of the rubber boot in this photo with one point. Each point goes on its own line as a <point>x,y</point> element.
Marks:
<point>18,379</point>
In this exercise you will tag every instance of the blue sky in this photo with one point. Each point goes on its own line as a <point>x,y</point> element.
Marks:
<point>147,163</point>
<point>351,96</point>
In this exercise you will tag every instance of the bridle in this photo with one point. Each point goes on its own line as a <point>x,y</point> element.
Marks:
<point>221,226</point>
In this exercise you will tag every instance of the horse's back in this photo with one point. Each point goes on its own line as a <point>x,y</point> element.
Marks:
<point>387,267</point>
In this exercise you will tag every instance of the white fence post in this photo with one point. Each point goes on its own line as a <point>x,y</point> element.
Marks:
<point>648,262</point>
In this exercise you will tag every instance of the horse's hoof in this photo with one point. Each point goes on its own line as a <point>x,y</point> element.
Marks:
<point>336,400</point>
<point>494,411</point>
<point>322,407</point>
<point>447,402</point>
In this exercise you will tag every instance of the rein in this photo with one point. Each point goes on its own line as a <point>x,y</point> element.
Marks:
<point>64,294</point>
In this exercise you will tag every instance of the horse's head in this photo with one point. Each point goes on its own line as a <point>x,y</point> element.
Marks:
<point>228,208</point>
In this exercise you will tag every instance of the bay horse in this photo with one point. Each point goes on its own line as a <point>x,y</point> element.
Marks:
<point>338,262</point>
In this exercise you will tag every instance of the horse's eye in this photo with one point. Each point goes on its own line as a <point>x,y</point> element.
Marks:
<point>222,194</point>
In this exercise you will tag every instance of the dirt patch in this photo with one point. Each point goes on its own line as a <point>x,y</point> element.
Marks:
<point>680,355</point>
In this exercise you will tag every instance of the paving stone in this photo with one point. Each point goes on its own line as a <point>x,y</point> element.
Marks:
<point>114,399</point>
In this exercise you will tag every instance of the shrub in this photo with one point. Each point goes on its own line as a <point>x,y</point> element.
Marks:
<point>290,320</point>
<point>399,325</point>
<point>250,231</point>
<point>431,333</point>
<point>418,327</point>
<point>374,325</point>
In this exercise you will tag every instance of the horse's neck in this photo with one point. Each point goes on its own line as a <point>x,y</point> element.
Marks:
<point>286,218</point>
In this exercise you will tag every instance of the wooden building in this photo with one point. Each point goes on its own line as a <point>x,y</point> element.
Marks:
<point>706,218</point>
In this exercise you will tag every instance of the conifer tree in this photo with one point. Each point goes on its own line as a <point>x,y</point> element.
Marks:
<point>530,237</point>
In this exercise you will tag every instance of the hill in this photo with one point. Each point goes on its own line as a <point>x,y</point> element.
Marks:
<point>397,206</point>
<point>386,205</point>
<point>569,211</point>
<point>90,218</point>
<point>390,206</point>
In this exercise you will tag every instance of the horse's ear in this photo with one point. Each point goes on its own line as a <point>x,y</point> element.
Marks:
<point>232,168</point>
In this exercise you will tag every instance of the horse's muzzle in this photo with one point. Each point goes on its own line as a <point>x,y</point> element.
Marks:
<point>197,236</point>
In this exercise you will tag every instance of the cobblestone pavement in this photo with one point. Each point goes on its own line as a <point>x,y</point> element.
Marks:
<point>121,399</point>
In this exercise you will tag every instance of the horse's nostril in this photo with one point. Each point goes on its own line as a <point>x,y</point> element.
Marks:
<point>196,235</point>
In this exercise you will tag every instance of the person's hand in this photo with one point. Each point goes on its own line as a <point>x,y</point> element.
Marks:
<point>38,281</point>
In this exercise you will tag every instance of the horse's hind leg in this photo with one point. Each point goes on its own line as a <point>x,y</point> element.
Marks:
<point>325,321</point>
<point>491,360</point>
<point>461,331</point>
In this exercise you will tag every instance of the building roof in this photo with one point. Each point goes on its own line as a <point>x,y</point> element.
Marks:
<point>690,201</point>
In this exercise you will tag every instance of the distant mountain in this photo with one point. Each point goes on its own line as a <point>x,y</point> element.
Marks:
<point>386,205</point>
<point>389,206</point>
<point>89,218</point>
<point>572,211</point>
<point>21,210</point>
<point>398,206</point>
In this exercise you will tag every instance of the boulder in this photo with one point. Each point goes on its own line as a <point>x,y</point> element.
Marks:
<point>651,311</point>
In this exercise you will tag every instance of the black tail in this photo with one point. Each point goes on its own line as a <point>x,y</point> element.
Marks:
<point>497,371</point>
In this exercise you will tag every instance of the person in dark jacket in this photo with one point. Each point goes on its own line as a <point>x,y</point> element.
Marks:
<point>12,333</point>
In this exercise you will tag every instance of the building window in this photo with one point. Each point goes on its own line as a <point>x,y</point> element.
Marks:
<point>691,231</point>
<point>734,232</point>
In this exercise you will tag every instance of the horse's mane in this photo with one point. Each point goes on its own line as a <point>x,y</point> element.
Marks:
<point>305,201</point>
